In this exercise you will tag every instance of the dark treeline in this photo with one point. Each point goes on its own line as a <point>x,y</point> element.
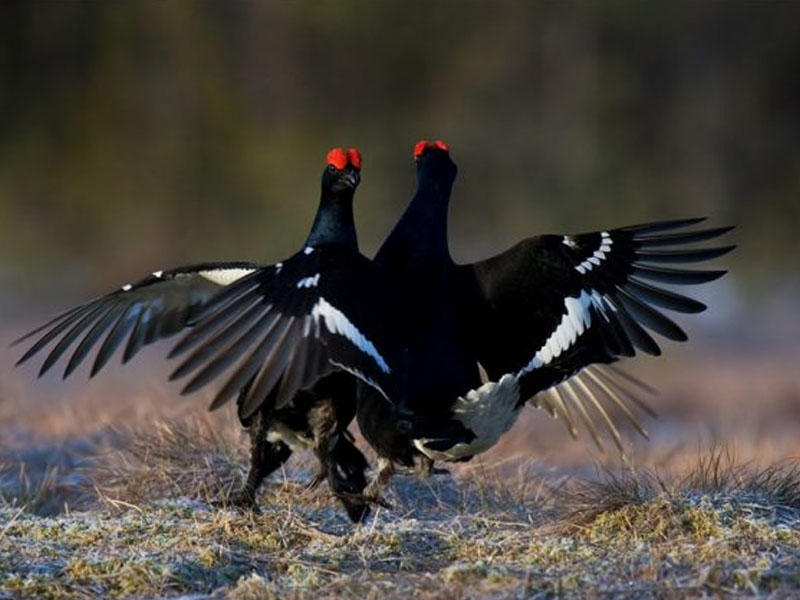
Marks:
<point>140,135</point>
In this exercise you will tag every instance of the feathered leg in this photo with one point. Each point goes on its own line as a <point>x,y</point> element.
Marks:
<point>347,477</point>
<point>265,457</point>
<point>374,491</point>
<point>424,467</point>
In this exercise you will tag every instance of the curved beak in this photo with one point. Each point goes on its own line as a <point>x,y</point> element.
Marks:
<point>349,179</point>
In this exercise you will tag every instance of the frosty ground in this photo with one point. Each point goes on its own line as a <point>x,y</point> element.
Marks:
<point>113,488</point>
<point>150,525</point>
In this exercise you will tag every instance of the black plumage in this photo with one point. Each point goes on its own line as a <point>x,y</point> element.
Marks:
<point>247,304</point>
<point>538,323</point>
<point>444,355</point>
<point>290,338</point>
<point>153,308</point>
<point>536,276</point>
<point>276,319</point>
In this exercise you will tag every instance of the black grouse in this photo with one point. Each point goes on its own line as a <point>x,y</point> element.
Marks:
<point>315,404</point>
<point>480,340</point>
<point>292,337</point>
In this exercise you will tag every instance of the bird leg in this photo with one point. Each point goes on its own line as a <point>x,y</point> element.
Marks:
<point>425,468</point>
<point>322,424</point>
<point>374,491</point>
<point>347,478</point>
<point>265,457</point>
<point>340,462</point>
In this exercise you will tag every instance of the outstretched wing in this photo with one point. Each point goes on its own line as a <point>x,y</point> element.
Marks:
<point>597,397</point>
<point>552,305</point>
<point>156,307</point>
<point>285,326</point>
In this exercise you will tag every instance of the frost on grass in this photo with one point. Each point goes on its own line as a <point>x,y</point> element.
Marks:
<point>153,531</point>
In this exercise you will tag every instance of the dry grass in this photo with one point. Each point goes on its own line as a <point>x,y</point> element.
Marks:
<point>715,473</point>
<point>173,459</point>
<point>41,487</point>
<point>107,489</point>
<point>501,530</point>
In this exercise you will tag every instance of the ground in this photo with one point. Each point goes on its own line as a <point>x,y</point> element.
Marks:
<point>113,490</point>
<point>154,529</point>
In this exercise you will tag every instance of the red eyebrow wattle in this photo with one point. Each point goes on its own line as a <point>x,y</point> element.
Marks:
<point>354,156</point>
<point>337,157</point>
<point>423,145</point>
<point>419,148</point>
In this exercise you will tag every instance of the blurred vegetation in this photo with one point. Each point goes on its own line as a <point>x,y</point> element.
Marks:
<point>136,136</point>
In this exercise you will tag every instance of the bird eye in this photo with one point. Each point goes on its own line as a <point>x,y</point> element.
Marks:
<point>331,168</point>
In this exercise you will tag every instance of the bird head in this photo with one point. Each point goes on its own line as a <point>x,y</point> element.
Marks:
<point>343,171</point>
<point>433,160</point>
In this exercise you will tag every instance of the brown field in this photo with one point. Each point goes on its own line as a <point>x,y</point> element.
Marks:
<point>108,488</point>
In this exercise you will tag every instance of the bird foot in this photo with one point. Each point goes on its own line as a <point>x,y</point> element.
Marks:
<point>366,498</point>
<point>242,501</point>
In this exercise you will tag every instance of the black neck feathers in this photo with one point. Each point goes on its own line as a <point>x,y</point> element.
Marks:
<point>334,222</point>
<point>421,233</point>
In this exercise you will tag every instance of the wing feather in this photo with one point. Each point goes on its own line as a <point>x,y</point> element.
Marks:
<point>100,326</point>
<point>316,312</point>
<point>153,308</point>
<point>551,306</point>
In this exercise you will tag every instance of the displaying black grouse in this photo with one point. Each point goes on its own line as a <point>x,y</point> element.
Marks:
<point>313,405</point>
<point>479,340</point>
<point>292,336</point>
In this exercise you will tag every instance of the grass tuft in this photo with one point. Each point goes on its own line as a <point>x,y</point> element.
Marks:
<point>191,459</point>
<point>44,491</point>
<point>715,475</point>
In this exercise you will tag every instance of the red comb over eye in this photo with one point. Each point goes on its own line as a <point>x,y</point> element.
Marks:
<point>423,145</point>
<point>419,148</point>
<point>337,157</point>
<point>354,156</point>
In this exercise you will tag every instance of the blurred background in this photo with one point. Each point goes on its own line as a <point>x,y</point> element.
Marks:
<point>139,136</point>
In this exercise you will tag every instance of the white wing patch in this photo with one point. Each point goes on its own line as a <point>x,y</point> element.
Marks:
<point>224,276</point>
<point>597,256</point>
<point>338,323</point>
<point>307,282</point>
<point>577,320</point>
<point>488,412</point>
